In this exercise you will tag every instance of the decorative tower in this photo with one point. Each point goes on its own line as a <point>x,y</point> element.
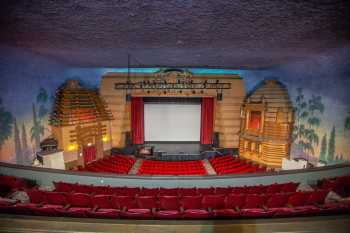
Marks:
<point>267,124</point>
<point>80,123</point>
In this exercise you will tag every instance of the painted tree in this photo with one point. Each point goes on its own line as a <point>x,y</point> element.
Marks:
<point>331,146</point>
<point>24,138</point>
<point>17,143</point>
<point>6,123</point>
<point>307,121</point>
<point>323,150</point>
<point>37,129</point>
<point>347,122</point>
<point>315,109</point>
<point>301,114</point>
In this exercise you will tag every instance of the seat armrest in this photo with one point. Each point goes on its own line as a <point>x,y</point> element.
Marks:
<point>94,208</point>
<point>67,206</point>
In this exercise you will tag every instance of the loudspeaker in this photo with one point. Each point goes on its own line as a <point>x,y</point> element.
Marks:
<point>128,141</point>
<point>216,139</point>
<point>219,96</point>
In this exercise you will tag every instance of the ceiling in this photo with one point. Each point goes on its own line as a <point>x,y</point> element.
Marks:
<point>176,33</point>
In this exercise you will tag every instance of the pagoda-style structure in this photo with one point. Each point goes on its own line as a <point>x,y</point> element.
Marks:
<point>267,124</point>
<point>80,123</point>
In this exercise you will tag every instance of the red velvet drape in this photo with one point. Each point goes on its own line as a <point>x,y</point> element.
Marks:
<point>207,120</point>
<point>137,120</point>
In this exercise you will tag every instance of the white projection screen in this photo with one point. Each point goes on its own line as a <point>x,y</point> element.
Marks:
<point>172,122</point>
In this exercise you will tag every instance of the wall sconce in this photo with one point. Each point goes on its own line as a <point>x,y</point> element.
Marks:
<point>105,139</point>
<point>72,147</point>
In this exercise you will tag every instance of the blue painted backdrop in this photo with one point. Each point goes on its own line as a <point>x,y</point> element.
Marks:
<point>318,86</point>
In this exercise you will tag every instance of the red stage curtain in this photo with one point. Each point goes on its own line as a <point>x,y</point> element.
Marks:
<point>254,121</point>
<point>207,120</point>
<point>137,121</point>
<point>89,154</point>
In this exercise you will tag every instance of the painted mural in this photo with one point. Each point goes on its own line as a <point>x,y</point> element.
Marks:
<point>317,86</point>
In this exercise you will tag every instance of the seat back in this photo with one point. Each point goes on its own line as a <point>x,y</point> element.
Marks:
<point>102,201</point>
<point>187,191</point>
<point>120,202</point>
<point>240,190</point>
<point>146,202</point>
<point>56,198</point>
<point>63,187</point>
<point>131,191</point>
<point>254,201</point>
<point>205,191</point>
<point>149,191</point>
<point>277,200</point>
<point>289,187</point>
<point>298,198</point>
<point>223,190</point>
<point>168,191</point>
<point>191,202</point>
<point>36,196</point>
<point>316,197</point>
<point>169,203</point>
<point>235,201</point>
<point>79,199</point>
<point>274,188</point>
<point>213,201</point>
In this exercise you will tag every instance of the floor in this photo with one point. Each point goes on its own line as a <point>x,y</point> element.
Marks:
<point>30,224</point>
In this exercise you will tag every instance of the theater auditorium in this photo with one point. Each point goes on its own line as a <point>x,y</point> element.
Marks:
<point>174,116</point>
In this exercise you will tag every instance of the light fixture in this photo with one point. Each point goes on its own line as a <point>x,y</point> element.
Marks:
<point>72,147</point>
<point>105,138</point>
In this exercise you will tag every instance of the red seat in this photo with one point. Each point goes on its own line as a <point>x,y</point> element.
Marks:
<point>146,205</point>
<point>149,191</point>
<point>169,208</point>
<point>102,207</point>
<point>168,191</point>
<point>234,203</point>
<point>56,202</point>
<point>296,205</point>
<point>205,191</point>
<point>187,191</point>
<point>192,206</point>
<point>123,202</point>
<point>79,205</point>
<point>254,207</point>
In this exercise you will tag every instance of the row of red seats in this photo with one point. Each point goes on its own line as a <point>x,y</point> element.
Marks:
<point>340,185</point>
<point>113,164</point>
<point>13,182</point>
<point>228,164</point>
<point>134,191</point>
<point>173,207</point>
<point>151,167</point>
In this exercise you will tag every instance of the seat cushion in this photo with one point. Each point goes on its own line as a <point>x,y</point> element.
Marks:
<point>257,212</point>
<point>226,213</point>
<point>137,213</point>
<point>168,214</point>
<point>74,212</point>
<point>104,213</point>
<point>196,213</point>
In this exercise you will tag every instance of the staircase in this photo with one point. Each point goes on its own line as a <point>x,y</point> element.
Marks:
<point>135,167</point>
<point>208,167</point>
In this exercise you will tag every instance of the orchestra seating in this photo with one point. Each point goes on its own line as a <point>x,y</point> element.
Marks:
<point>228,164</point>
<point>118,164</point>
<point>78,200</point>
<point>154,167</point>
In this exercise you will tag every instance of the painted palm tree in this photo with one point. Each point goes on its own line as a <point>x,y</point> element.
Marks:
<point>347,122</point>
<point>301,114</point>
<point>37,129</point>
<point>6,123</point>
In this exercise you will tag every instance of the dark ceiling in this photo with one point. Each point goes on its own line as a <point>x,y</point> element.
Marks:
<point>215,33</point>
